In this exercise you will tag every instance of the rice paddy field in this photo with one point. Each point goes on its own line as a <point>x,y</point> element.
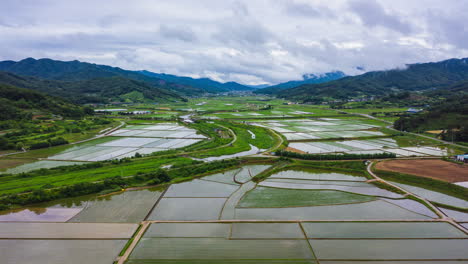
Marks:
<point>122,143</point>
<point>261,210</point>
<point>293,216</point>
<point>142,139</point>
<point>348,136</point>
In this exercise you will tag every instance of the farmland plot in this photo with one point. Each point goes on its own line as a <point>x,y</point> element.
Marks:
<point>360,211</point>
<point>126,207</point>
<point>43,164</point>
<point>434,196</point>
<point>397,249</point>
<point>59,251</point>
<point>142,139</point>
<point>39,214</point>
<point>266,197</point>
<point>381,230</point>
<point>306,175</point>
<point>66,230</point>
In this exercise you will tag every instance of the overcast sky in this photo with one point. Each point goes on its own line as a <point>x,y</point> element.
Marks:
<point>252,41</point>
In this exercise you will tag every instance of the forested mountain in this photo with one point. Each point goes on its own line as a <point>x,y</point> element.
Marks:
<point>307,79</point>
<point>415,77</point>
<point>98,90</point>
<point>21,104</point>
<point>79,71</point>
<point>201,83</point>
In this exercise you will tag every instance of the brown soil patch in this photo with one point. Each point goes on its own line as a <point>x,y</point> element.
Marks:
<point>294,150</point>
<point>436,169</point>
<point>10,163</point>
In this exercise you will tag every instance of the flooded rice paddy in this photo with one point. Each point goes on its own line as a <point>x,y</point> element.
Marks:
<point>292,216</point>
<point>366,223</point>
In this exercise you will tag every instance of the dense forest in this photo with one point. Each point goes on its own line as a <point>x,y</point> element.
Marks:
<point>416,77</point>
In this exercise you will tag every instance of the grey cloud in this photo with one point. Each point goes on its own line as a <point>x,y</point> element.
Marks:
<point>373,14</point>
<point>451,28</point>
<point>177,32</point>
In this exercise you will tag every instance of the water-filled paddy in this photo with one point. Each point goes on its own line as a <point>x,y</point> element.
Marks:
<point>220,249</point>
<point>59,251</point>
<point>39,214</point>
<point>125,207</point>
<point>67,230</point>
<point>200,188</point>
<point>434,196</point>
<point>43,164</point>
<point>306,175</point>
<point>396,249</point>
<point>188,230</point>
<point>184,209</point>
<point>382,230</point>
<point>266,231</point>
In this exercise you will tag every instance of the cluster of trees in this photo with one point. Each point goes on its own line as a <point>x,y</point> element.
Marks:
<point>290,154</point>
<point>49,143</point>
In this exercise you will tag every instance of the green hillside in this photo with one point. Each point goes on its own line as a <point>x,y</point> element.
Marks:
<point>22,104</point>
<point>415,77</point>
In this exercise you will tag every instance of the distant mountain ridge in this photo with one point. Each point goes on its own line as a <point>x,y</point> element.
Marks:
<point>98,90</point>
<point>80,71</point>
<point>306,79</point>
<point>201,83</point>
<point>416,77</point>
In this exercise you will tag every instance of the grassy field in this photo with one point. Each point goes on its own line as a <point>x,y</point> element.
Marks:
<point>20,183</point>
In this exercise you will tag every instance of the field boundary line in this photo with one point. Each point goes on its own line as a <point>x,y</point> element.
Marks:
<point>308,242</point>
<point>122,259</point>
<point>156,203</point>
